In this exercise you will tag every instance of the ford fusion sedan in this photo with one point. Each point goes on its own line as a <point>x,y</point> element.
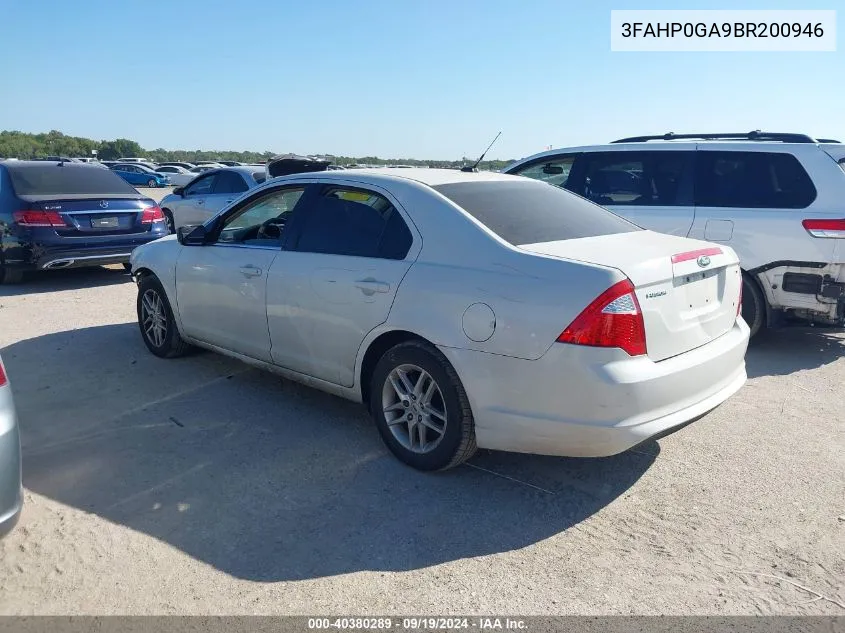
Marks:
<point>205,195</point>
<point>11,497</point>
<point>61,215</point>
<point>463,309</point>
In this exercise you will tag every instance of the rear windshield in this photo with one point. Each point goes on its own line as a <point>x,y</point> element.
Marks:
<point>533,212</point>
<point>48,179</point>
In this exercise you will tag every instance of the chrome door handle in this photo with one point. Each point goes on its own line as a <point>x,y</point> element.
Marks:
<point>371,286</point>
<point>250,271</point>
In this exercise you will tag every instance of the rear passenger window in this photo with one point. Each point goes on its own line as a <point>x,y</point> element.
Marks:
<point>354,222</point>
<point>660,178</point>
<point>752,180</point>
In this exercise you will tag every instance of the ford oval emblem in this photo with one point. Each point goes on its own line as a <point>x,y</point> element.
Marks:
<point>104,204</point>
<point>703,261</point>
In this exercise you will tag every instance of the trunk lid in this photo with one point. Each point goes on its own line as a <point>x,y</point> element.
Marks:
<point>88,217</point>
<point>688,290</point>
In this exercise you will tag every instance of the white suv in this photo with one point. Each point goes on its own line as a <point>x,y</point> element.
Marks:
<point>777,199</point>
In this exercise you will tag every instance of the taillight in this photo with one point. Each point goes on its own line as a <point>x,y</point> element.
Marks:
<point>152,214</point>
<point>825,228</point>
<point>613,319</point>
<point>3,380</point>
<point>739,302</point>
<point>38,218</point>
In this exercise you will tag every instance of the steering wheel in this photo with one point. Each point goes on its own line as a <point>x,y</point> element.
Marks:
<point>271,229</point>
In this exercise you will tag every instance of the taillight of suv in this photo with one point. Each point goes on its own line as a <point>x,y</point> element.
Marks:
<point>825,228</point>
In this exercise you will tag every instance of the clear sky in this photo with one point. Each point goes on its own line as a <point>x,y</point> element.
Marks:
<point>394,78</point>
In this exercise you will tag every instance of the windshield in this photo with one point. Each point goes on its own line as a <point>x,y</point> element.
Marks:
<point>533,212</point>
<point>70,179</point>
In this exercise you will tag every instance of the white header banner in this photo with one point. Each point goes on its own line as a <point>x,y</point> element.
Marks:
<point>725,31</point>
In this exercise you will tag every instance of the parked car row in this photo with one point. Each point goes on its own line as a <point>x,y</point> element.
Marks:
<point>519,311</point>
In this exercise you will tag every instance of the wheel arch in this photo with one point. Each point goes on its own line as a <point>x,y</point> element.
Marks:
<point>375,350</point>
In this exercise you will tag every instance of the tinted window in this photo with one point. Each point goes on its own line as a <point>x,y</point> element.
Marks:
<point>229,182</point>
<point>554,170</point>
<point>49,179</point>
<point>354,222</point>
<point>532,212</point>
<point>259,176</point>
<point>168,170</point>
<point>639,178</point>
<point>201,187</point>
<point>752,180</point>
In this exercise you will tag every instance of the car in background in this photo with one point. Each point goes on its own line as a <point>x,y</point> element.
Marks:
<point>183,165</point>
<point>776,198</point>
<point>230,163</point>
<point>207,194</point>
<point>464,309</point>
<point>201,169</point>
<point>179,176</point>
<point>11,488</point>
<point>134,160</point>
<point>141,175</point>
<point>286,164</point>
<point>210,163</point>
<point>64,215</point>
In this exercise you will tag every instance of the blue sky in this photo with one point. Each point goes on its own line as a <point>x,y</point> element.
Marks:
<point>392,78</point>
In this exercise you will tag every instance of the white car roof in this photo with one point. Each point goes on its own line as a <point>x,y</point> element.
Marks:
<point>376,175</point>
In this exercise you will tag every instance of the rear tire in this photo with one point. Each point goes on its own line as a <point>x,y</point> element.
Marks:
<point>427,427</point>
<point>168,220</point>
<point>155,320</point>
<point>753,305</point>
<point>152,184</point>
<point>10,275</point>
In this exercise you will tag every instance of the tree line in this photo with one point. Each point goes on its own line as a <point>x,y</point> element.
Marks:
<point>14,144</point>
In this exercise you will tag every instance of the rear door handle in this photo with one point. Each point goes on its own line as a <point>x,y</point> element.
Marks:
<point>228,201</point>
<point>250,271</point>
<point>200,201</point>
<point>371,286</point>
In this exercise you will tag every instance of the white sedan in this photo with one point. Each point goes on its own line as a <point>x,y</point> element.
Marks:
<point>179,176</point>
<point>464,309</point>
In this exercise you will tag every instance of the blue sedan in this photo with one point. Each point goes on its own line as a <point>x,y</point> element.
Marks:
<point>142,175</point>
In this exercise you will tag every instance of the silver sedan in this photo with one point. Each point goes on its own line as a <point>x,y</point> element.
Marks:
<point>11,497</point>
<point>463,309</point>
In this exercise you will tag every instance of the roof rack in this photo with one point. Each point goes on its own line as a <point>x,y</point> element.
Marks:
<point>829,140</point>
<point>755,135</point>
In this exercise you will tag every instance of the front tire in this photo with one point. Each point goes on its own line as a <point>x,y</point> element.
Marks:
<point>155,320</point>
<point>10,275</point>
<point>168,220</point>
<point>753,305</point>
<point>421,409</point>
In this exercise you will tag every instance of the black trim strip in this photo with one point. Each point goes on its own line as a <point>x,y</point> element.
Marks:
<point>786,262</point>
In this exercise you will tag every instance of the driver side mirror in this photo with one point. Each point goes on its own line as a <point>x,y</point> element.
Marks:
<point>191,235</point>
<point>179,191</point>
<point>552,170</point>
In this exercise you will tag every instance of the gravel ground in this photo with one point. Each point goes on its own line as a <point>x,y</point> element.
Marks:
<point>202,486</point>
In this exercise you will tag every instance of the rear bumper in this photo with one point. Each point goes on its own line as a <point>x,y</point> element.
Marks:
<point>75,252</point>
<point>592,402</point>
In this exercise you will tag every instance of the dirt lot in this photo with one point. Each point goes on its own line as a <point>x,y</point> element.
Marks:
<point>200,485</point>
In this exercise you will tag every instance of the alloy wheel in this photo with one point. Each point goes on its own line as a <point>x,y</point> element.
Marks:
<point>154,318</point>
<point>414,408</point>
